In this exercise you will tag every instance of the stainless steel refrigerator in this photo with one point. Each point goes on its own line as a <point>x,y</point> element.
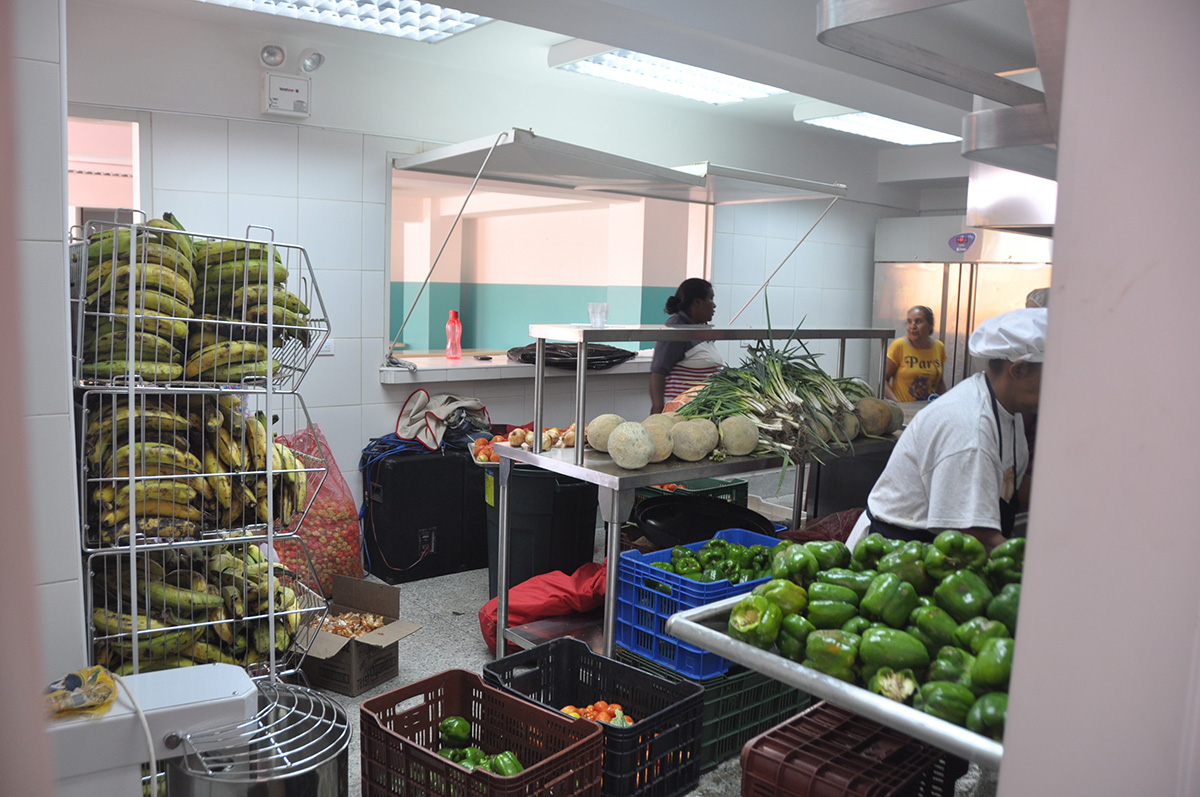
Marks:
<point>916,264</point>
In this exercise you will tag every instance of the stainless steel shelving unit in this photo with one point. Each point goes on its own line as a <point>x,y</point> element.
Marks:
<point>705,627</point>
<point>616,485</point>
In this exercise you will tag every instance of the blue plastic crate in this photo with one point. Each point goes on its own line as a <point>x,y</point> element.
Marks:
<point>642,610</point>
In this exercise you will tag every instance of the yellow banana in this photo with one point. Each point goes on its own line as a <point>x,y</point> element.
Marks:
<point>161,594</point>
<point>146,491</point>
<point>229,450</point>
<point>208,252</point>
<point>99,272</point>
<point>166,254</point>
<point>159,454</point>
<point>146,370</point>
<point>101,245</point>
<point>150,299</point>
<point>224,353</point>
<point>106,423</point>
<point>234,374</point>
<point>181,243</point>
<point>256,441</point>
<point>217,477</point>
<point>154,276</point>
<point>109,622</point>
<point>238,272</point>
<point>159,508</point>
<point>261,293</point>
<point>146,346</point>
<point>169,527</point>
<point>232,599</point>
<point>205,652</point>
<point>172,330</point>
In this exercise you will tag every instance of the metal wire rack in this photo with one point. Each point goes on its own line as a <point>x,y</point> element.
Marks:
<point>296,731</point>
<point>198,602</point>
<point>157,305</point>
<point>161,464</point>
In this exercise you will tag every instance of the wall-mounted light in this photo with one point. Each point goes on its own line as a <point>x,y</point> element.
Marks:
<point>272,55</point>
<point>311,61</point>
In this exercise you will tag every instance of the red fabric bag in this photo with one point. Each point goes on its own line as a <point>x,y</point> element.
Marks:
<point>548,595</point>
<point>830,527</point>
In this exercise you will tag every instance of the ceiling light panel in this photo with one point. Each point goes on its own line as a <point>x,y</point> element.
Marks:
<point>405,19</point>
<point>671,77</point>
<point>882,128</point>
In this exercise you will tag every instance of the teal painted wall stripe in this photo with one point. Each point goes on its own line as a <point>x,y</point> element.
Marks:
<point>498,316</point>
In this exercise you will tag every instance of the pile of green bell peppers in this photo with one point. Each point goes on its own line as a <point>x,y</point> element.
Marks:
<point>717,560</point>
<point>927,624</point>
<point>454,733</point>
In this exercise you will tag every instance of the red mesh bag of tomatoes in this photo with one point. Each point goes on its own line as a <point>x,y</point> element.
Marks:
<point>330,529</point>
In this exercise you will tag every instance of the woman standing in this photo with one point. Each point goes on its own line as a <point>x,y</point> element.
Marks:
<point>914,362</point>
<point>681,364</point>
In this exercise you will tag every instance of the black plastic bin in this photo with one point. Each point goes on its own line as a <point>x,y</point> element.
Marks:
<point>551,523</point>
<point>659,755</point>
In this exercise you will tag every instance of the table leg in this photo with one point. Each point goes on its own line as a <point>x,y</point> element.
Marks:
<point>615,508</point>
<point>502,557</point>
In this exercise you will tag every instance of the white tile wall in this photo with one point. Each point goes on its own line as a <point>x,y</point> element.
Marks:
<point>61,616</point>
<point>39,26</point>
<point>263,159</point>
<point>277,213</point>
<point>199,211</point>
<point>331,165</point>
<point>39,139</point>
<point>50,445</point>
<point>331,231</point>
<point>47,386</point>
<point>374,231</point>
<point>341,294</point>
<point>190,153</point>
<point>334,381</point>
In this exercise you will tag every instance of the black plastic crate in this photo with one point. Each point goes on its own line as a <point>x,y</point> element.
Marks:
<point>658,755</point>
<point>737,706</point>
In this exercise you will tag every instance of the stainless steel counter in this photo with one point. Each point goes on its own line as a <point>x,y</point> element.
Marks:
<point>705,627</point>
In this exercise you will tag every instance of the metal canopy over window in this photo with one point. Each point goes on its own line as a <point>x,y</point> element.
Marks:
<point>522,157</point>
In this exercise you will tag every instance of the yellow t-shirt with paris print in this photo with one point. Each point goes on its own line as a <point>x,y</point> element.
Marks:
<point>918,371</point>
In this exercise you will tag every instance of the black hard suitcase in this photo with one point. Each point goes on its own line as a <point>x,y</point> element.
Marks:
<point>423,516</point>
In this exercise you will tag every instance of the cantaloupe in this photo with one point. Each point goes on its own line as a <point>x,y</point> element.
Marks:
<point>630,445</point>
<point>693,440</point>
<point>667,419</point>
<point>897,417</point>
<point>661,434</point>
<point>874,415</point>
<point>848,429</point>
<point>739,435</point>
<point>600,428</point>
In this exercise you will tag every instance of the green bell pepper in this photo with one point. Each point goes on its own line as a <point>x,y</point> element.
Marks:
<point>680,552</point>
<point>744,575</point>
<point>857,624</point>
<point>687,566</point>
<point>710,574</point>
<point>1003,606</point>
<point>974,632</point>
<point>506,764</point>
<point>963,594</point>
<point>793,635</point>
<point>895,685</point>
<point>993,666</point>
<point>889,647</point>
<point>829,553</point>
<point>451,754</point>
<point>830,614</point>
<point>908,562</point>
<point>945,700</point>
<point>795,563</point>
<point>926,600</point>
<point>869,550</point>
<point>824,591</point>
<point>658,585</point>
<point>857,580</point>
<point>759,557</point>
<point>454,731</point>
<point>890,599</point>
<point>709,557</point>
<point>932,625</point>
<point>833,653</point>
<point>472,755</point>
<point>953,550</point>
<point>987,715</point>
<point>738,554</point>
<point>952,664</point>
<point>755,620</point>
<point>789,596</point>
<point>1006,563</point>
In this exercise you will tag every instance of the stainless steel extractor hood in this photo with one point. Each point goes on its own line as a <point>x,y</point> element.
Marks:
<point>522,157</point>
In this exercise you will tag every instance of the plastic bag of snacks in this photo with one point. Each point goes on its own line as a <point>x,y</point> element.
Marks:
<point>330,529</point>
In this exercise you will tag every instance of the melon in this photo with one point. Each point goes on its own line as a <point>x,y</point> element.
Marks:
<point>897,417</point>
<point>667,419</point>
<point>739,435</point>
<point>694,440</point>
<point>630,445</point>
<point>848,429</point>
<point>600,428</point>
<point>663,439</point>
<point>874,415</point>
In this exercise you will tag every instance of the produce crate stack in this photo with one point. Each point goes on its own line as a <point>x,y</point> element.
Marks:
<point>188,353</point>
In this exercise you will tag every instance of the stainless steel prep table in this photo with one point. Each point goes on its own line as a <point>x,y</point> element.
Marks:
<point>705,627</point>
<point>617,484</point>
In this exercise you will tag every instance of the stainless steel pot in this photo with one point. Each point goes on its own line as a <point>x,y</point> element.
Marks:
<point>295,746</point>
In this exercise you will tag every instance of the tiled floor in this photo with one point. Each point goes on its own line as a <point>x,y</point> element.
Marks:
<point>447,609</point>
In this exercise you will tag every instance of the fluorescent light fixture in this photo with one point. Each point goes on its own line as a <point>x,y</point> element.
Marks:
<point>659,74</point>
<point>405,19</point>
<point>883,128</point>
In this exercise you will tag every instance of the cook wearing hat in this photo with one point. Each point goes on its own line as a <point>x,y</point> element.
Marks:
<point>959,463</point>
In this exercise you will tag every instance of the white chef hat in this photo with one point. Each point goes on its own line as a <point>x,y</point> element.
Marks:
<point>1016,336</point>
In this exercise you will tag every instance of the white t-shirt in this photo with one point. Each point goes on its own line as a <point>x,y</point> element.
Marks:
<point>948,468</point>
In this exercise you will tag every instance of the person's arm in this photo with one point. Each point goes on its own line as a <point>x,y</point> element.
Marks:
<point>941,386</point>
<point>989,537</point>
<point>658,387</point>
<point>887,381</point>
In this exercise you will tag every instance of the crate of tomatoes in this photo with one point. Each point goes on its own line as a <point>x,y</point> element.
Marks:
<point>651,724</point>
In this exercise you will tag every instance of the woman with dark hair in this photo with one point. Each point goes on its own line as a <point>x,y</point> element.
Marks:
<point>681,364</point>
<point>914,362</point>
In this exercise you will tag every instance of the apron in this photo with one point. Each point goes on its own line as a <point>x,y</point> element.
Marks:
<point>700,362</point>
<point>1008,496</point>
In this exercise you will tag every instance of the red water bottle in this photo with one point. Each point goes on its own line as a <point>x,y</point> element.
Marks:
<point>453,337</point>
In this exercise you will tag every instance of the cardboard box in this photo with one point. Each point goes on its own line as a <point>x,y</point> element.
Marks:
<point>352,666</point>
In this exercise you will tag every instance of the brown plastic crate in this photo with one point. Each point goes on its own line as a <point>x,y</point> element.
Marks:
<point>830,752</point>
<point>561,755</point>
